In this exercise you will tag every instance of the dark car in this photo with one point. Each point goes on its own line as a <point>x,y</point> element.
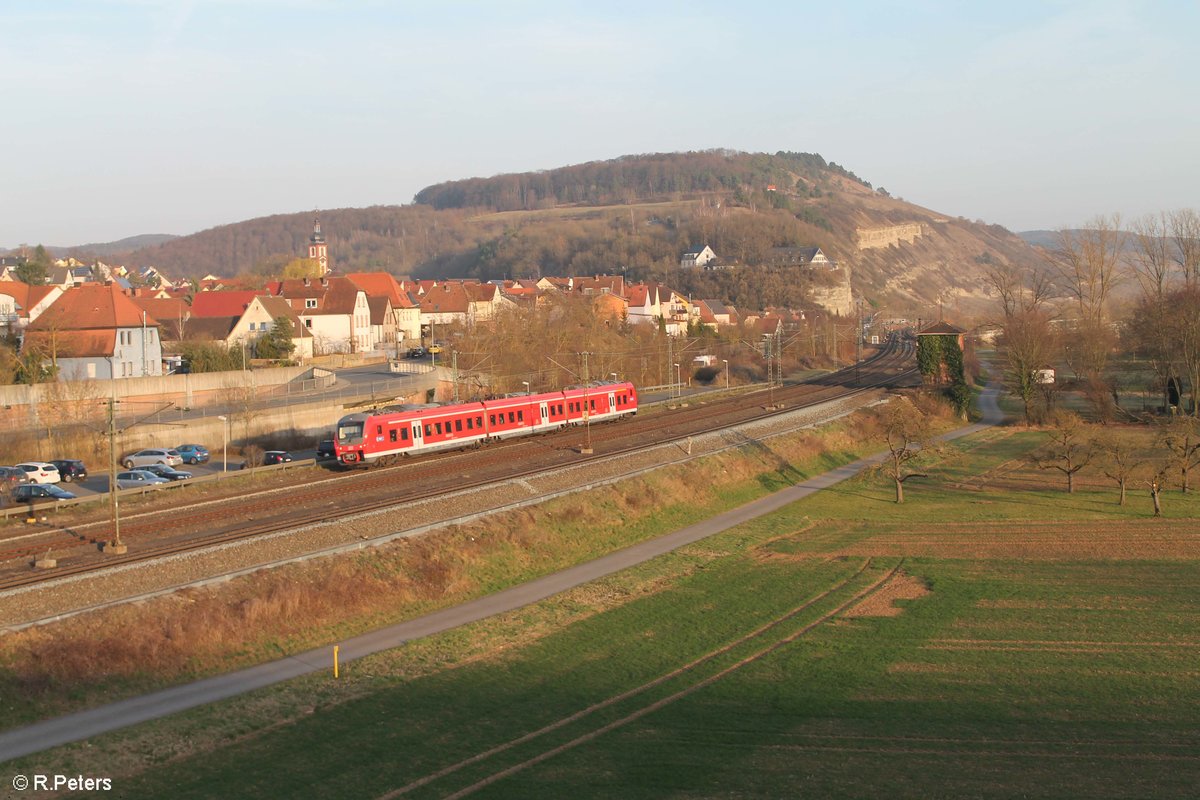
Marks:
<point>71,469</point>
<point>40,491</point>
<point>269,458</point>
<point>193,453</point>
<point>416,352</point>
<point>11,477</point>
<point>325,450</point>
<point>170,473</point>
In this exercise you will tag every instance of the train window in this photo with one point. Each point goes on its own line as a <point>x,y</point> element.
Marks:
<point>470,423</point>
<point>479,421</point>
<point>458,426</point>
<point>378,429</point>
<point>521,414</point>
<point>492,419</point>
<point>592,403</point>
<point>512,417</point>
<point>393,434</point>
<point>439,428</point>
<point>428,429</point>
<point>404,435</point>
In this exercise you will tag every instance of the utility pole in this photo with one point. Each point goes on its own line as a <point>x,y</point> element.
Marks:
<point>670,361</point>
<point>454,361</point>
<point>114,546</point>
<point>858,343</point>
<point>587,416</point>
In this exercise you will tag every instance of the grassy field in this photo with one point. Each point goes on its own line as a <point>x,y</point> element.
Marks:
<point>992,637</point>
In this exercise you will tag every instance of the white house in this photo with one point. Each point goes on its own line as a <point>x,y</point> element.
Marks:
<point>698,257</point>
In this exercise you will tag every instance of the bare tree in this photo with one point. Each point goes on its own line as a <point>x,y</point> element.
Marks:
<point>1183,324</point>
<point>1118,459</point>
<point>1181,439</point>
<point>1153,264</point>
<point>1155,482</point>
<point>1087,265</point>
<point>1027,340</point>
<point>1067,450</point>
<point>908,436</point>
<point>1185,232</point>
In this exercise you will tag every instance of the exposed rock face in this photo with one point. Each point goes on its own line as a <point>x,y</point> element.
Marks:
<point>885,237</point>
<point>838,297</point>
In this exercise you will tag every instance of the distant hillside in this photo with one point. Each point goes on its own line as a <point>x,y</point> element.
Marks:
<point>106,249</point>
<point>1045,239</point>
<point>101,250</point>
<point>630,179</point>
<point>637,215</point>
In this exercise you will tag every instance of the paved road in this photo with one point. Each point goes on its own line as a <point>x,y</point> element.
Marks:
<point>52,733</point>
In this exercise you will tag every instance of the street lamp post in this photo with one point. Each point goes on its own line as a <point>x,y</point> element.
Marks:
<point>224,443</point>
<point>678,382</point>
<point>725,361</point>
<point>526,385</point>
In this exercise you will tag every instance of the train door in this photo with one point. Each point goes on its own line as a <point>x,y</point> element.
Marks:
<point>543,414</point>
<point>612,402</point>
<point>418,439</point>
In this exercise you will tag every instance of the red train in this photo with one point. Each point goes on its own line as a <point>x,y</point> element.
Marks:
<point>371,437</point>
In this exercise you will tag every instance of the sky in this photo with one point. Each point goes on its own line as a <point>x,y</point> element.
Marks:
<point>127,117</point>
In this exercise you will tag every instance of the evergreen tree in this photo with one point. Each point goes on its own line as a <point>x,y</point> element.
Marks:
<point>278,342</point>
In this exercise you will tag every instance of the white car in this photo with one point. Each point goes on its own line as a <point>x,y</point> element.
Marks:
<point>154,455</point>
<point>40,472</point>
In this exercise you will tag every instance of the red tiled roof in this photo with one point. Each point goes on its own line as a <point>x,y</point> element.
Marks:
<point>446,298</point>
<point>221,304</point>
<point>163,309</point>
<point>92,307</point>
<point>26,296</point>
<point>76,344</point>
<point>380,284</point>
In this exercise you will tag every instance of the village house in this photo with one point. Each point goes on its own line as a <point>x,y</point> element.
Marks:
<point>808,257</point>
<point>698,257</point>
<point>21,303</point>
<point>406,315</point>
<point>333,310</point>
<point>95,331</point>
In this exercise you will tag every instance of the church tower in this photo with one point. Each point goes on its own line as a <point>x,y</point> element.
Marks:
<point>316,247</point>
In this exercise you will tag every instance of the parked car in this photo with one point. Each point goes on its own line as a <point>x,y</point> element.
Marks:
<point>152,456</point>
<point>270,457</point>
<point>70,469</point>
<point>325,450</point>
<point>40,472</point>
<point>416,352</point>
<point>163,471</point>
<point>435,348</point>
<point>138,479</point>
<point>36,491</point>
<point>193,453</point>
<point>11,477</point>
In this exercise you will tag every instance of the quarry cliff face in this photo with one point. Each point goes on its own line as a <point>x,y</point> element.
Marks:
<point>889,235</point>
<point>837,296</point>
<point>912,259</point>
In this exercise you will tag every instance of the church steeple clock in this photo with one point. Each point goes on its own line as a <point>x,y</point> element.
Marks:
<point>316,247</point>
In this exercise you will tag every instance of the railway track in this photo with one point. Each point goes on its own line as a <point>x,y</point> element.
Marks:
<point>157,534</point>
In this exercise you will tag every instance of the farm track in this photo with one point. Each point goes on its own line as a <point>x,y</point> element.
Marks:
<point>155,534</point>
<point>694,683</point>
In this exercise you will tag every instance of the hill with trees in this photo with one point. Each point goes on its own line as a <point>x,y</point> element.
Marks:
<point>636,215</point>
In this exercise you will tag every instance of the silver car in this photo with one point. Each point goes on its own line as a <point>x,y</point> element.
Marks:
<point>139,479</point>
<point>153,455</point>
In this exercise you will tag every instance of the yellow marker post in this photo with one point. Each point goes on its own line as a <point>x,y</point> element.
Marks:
<point>335,661</point>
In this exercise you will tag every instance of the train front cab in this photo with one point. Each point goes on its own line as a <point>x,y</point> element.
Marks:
<point>348,439</point>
